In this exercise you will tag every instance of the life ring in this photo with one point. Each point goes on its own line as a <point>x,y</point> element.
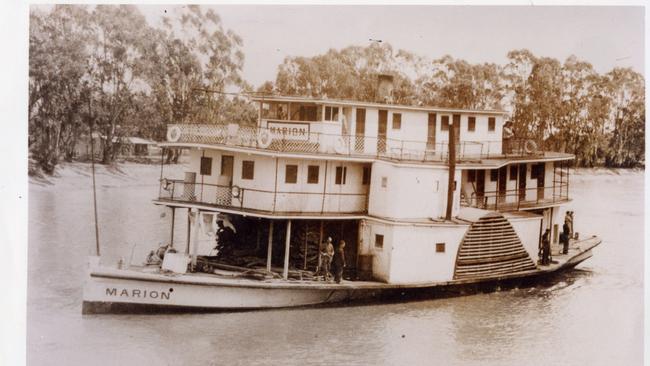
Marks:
<point>173,134</point>
<point>530,147</point>
<point>235,191</point>
<point>264,139</point>
<point>340,146</point>
<point>165,184</point>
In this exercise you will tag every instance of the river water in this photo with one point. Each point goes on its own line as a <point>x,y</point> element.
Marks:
<point>591,316</point>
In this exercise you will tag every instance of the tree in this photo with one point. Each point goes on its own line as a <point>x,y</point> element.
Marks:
<point>626,90</point>
<point>57,65</point>
<point>459,84</point>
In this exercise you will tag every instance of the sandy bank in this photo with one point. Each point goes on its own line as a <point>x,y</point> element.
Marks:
<point>77,175</point>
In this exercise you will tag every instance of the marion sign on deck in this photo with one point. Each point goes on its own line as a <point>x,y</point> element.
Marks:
<point>289,131</point>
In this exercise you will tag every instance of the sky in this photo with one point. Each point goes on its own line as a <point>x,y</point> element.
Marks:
<point>607,37</point>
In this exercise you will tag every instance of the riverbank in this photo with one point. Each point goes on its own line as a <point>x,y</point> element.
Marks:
<point>78,175</point>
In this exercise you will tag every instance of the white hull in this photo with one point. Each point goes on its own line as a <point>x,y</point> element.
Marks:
<point>117,290</point>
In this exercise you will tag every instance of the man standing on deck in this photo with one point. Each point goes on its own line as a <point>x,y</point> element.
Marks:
<point>565,236</point>
<point>326,258</point>
<point>546,248</point>
<point>338,262</point>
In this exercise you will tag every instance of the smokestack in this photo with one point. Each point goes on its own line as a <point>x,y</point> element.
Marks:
<point>385,88</point>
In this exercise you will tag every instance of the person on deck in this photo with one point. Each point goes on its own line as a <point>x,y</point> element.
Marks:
<point>326,259</point>
<point>546,248</point>
<point>565,236</point>
<point>508,134</point>
<point>569,220</point>
<point>338,262</point>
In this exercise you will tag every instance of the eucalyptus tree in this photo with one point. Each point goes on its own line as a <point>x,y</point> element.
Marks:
<point>57,66</point>
<point>460,84</point>
<point>350,73</point>
<point>116,71</point>
<point>626,90</point>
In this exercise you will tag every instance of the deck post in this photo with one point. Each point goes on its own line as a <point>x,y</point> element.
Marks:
<point>322,209</point>
<point>320,242</point>
<point>269,249</point>
<point>195,236</point>
<point>304,266</point>
<point>285,272</point>
<point>259,235</point>
<point>189,226</point>
<point>171,241</point>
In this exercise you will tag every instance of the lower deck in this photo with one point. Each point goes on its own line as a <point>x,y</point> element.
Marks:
<point>134,289</point>
<point>234,277</point>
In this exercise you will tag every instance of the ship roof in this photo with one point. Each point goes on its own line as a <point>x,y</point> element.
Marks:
<point>353,103</point>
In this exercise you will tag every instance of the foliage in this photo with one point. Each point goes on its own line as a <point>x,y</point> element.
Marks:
<point>104,67</point>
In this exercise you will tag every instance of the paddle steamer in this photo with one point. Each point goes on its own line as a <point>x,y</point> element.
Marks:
<point>429,201</point>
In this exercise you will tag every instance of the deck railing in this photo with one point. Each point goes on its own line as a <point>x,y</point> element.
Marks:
<point>265,201</point>
<point>516,199</point>
<point>301,140</point>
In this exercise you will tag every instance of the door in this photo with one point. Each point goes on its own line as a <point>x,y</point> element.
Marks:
<point>360,130</point>
<point>224,193</point>
<point>503,172</point>
<point>522,182</point>
<point>480,188</point>
<point>189,186</point>
<point>456,120</point>
<point>431,132</point>
<point>227,163</point>
<point>381,131</point>
<point>540,174</point>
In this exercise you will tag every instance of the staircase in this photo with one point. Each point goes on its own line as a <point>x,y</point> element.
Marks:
<point>490,248</point>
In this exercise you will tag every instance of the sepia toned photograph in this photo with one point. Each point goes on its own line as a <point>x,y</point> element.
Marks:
<point>335,185</point>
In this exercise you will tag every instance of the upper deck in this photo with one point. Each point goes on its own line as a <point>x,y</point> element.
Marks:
<point>337,129</point>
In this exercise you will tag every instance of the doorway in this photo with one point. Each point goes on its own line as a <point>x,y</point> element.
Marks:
<point>522,182</point>
<point>381,131</point>
<point>503,171</point>
<point>480,188</point>
<point>540,174</point>
<point>431,132</point>
<point>360,130</point>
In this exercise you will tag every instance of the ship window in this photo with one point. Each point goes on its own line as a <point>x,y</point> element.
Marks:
<point>248,169</point>
<point>397,121</point>
<point>471,124</point>
<point>379,241</point>
<point>206,165</point>
<point>471,176</point>
<point>312,174</point>
<point>444,123</point>
<point>494,175</point>
<point>307,113</point>
<point>331,113</point>
<point>384,182</point>
<point>291,174</point>
<point>513,172</point>
<point>366,175</point>
<point>492,122</point>
<point>440,247</point>
<point>341,172</point>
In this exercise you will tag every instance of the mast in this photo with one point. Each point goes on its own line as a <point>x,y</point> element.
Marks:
<point>452,168</point>
<point>92,164</point>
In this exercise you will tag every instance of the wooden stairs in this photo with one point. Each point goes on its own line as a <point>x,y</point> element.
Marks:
<point>489,248</point>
